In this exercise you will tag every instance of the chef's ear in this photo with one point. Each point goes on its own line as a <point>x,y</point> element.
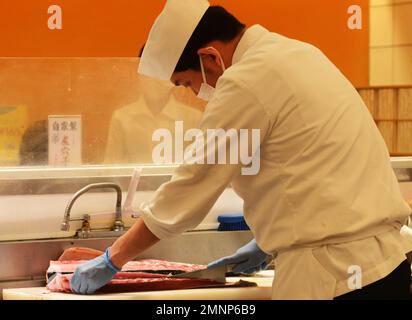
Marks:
<point>210,53</point>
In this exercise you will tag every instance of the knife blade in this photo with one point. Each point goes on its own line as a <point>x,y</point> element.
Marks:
<point>217,274</point>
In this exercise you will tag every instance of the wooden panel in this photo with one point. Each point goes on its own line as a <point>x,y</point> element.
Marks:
<point>385,114</point>
<point>369,97</point>
<point>391,108</point>
<point>405,125</point>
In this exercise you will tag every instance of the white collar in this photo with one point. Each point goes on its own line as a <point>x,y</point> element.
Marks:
<point>249,38</point>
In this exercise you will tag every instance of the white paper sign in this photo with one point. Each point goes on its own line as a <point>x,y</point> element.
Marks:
<point>65,141</point>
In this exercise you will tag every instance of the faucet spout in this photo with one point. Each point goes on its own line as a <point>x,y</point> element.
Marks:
<point>118,224</point>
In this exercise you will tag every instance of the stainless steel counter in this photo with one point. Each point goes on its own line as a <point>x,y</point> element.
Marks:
<point>24,264</point>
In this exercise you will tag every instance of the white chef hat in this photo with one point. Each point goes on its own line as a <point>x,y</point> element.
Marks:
<point>169,36</point>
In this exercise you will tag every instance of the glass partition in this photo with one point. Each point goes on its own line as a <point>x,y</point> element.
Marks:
<point>86,111</point>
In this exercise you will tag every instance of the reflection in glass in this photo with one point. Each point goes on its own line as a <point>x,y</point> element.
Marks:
<point>158,107</point>
<point>120,109</point>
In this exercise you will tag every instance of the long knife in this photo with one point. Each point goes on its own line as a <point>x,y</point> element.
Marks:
<point>216,274</point>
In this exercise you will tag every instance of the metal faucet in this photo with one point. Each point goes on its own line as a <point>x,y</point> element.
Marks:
<point>118,224</point>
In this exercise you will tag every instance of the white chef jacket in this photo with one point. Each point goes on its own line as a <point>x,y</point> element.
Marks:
<point>325,198</point>
<point>131,129</point>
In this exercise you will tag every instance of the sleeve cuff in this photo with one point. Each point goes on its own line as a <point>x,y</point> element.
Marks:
<point>159,229</point>
<point>109,263</point>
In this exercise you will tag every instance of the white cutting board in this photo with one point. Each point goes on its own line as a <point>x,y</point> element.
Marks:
<point>262,292</point>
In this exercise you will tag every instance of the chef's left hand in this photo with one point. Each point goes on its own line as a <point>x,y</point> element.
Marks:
<point>247,260</point>
<point>94,274</point>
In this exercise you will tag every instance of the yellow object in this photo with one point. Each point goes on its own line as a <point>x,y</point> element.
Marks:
<point>13,124</point>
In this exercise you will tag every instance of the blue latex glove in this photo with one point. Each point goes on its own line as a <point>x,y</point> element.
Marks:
<point>94,274</point>
<point>248,259</point>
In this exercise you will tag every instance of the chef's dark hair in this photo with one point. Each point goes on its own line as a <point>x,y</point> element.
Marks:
<point>216,24</point>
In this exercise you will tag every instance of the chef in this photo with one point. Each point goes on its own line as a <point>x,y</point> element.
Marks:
<point>325,199</point>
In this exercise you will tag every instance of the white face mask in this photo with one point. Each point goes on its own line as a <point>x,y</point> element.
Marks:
<point>206,91</point>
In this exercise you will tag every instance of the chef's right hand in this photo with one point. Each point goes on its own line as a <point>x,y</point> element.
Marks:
<point>247,260</point>
<point>94,274</point>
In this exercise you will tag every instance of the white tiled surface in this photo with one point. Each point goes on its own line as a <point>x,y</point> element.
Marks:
<point>391,42</point>
<point>381,26</point>
<point>402,65</point>
<point>380,2</point>
<point>402,24</point>
<point>381,61</point>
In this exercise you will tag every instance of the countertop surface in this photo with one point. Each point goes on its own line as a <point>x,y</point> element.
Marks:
<point>262,292</point>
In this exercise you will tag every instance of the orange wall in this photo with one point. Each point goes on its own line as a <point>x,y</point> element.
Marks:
<point>118,28</point>
<point>320,22</point>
